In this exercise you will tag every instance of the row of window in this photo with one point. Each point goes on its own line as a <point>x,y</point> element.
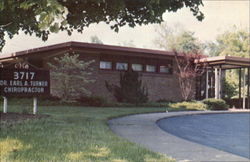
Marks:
<point>107,65</point>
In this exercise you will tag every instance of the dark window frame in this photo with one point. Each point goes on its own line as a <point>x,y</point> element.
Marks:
<point>156,71</point>
<point>142,70</point>
<point>128,65</point>
<point>169,69</point>
<point>142,61</point>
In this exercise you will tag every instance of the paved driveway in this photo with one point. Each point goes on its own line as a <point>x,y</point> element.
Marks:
<point>143,130</point>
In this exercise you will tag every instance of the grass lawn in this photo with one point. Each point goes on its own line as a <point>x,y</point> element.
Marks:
<point>71,134</point>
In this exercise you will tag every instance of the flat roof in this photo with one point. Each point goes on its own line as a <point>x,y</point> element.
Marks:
<point>225,62</point>
<point>67,46</point>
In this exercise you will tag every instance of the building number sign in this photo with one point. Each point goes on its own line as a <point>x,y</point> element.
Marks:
<point>24,75</point>
<point>23,82</point>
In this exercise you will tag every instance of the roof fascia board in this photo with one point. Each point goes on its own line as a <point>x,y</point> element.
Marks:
<point>87,46</point>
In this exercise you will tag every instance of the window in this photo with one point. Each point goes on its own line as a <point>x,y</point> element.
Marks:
<point>105,65</point>
<point>121,66</point>
<point>164,69</point>
<point>150,68</point>
<point>137,67</point>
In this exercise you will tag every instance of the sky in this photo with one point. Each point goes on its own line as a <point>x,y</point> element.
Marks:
<point>220,16</point>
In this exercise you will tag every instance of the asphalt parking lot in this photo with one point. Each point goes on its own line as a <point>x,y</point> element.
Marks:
<point>143,130</point>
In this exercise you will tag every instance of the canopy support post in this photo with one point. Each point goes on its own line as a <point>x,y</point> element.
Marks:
<point>219,83</point>
<point>248,87</point>
<point>207,84</point>
<point>243,92</point>
<point>216,83</point>
<point>240,87</point>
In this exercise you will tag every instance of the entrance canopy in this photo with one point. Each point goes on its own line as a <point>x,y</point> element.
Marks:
<point>226,62</point>
<point>216,66</point>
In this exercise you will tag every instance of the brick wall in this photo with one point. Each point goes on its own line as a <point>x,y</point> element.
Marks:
<point>160,86</point>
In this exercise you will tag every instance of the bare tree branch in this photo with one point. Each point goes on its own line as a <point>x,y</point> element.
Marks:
<point>188,71</point>
<point>3,26</point>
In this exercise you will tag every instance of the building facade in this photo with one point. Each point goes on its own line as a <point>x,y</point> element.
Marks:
<point>157,69</point>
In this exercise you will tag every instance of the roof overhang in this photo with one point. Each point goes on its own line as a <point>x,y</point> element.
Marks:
<point>225,62</point>
<point>57,49</point>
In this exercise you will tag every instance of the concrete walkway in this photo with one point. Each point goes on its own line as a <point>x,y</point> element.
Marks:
<point>143,130</point>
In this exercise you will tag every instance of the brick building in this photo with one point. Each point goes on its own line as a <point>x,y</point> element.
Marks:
<point>157,68</point>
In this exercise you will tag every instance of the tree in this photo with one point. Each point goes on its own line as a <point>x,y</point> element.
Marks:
<point>130,90</point>
<point>129,43</point>
<point>187,49</point>
<point>41,17</point>
<point>231,43</point>
<point>188,71</point>
<point>69,75</point>
<point>234,42</point>
<point>211,49</point>
<point>95,39</point>
<point>229,89</point>
<point>177,38</point>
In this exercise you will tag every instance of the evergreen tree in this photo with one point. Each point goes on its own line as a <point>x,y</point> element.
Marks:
<point>131,89</point>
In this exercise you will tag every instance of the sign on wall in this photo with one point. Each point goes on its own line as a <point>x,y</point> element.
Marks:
<point>22,82</point>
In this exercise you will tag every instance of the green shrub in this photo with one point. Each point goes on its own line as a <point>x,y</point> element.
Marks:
<point>131,90</point>
<point>164,100</point>
<point>92,101</point>
<point>25,110</point>
<point>119,104</point>
<point>155,104</point>
<point>215,104</point>
<point>148,104</point>
<point>188,105</point>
